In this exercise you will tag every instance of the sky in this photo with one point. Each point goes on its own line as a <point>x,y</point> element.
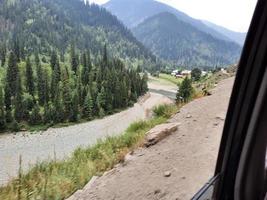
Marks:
<point>232,14</point>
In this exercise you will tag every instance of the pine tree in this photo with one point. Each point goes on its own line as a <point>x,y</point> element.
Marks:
<point>74,60</point>
<point>2,111</point>
<point>53,60</point>
<point>29,78</point>
<point>105,55</point>
<point>85,70</point>
<point>101,99</point>
<point>124,93</point>
<point>89,63</point>
<point>12,73</point>
<point>46,87</point>
<point>35,116</point>
<point>58,107</point>
<point>67,99</point>
<point>75,108</point>
<point>8,96</point>
<point>56,77</point>
<point>19,109</point>
<point>40,81</point>
<point>48,113</point>
<point>144,86</point>
<point>3,54</point>
<point>16,49</point>
<point>88,106</point>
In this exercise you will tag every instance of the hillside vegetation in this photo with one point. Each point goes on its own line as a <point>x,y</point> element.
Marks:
<point>63,61</point>
<point>183,44</point>
<point>48,25</point>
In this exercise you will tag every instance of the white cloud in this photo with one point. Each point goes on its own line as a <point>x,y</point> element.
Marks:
<point>233,14</point>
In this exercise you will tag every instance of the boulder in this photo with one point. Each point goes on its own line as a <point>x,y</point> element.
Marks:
<point>160,132</point>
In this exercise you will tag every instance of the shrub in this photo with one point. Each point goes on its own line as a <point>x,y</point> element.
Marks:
<point>15,126</point>
<point>164,110</point>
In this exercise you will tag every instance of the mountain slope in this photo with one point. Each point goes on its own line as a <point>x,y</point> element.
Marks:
<point>44,25</point>
<point>133,12</point>
<point>236,36</point>
<point>177,41</point>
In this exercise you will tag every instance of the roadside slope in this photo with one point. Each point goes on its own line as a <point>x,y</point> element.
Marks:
<point>189,155</point>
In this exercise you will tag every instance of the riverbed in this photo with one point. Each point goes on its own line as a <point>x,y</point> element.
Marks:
<point>59,143</point>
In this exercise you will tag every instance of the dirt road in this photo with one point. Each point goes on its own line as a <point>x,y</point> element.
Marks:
<point>188,156</point>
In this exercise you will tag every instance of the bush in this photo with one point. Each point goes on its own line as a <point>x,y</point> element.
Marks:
<point>196,74</point>
<point>35,116</point>
<point>164,110</point>
<point>15,126</point>
<point>137,126</point>
<point>185,91</point>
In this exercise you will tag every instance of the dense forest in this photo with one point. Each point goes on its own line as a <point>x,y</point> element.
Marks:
<point>47,25</point>
<point>176,41</point>
<point>65,61</point>
<point>34,92</point>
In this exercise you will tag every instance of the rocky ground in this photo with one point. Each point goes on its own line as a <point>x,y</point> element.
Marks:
<point>175,168</point>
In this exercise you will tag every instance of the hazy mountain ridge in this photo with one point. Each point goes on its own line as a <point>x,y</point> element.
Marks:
<point>183,44</point>
<point>134,12</point>
<point>238,37</point>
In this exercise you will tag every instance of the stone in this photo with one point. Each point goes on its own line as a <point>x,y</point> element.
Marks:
<point>167,174</point>
<point>220,117</point>
<point>188,116</point>
<point>157,191</point>
<point>216,124</point>
<point>160,132</point>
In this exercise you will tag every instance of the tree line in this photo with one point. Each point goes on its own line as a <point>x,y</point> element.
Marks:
<point>35,92</point>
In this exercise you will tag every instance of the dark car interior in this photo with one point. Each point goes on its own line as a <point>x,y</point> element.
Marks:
<point>241,166</point>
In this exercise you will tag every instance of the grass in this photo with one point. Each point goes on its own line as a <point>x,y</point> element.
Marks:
<point>211,80</point>
<point>59,179</point>
<point>164,110</point>
<point>170,78</point>
<point>166,79</point>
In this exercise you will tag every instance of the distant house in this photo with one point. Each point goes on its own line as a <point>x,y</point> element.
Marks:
<point>179,76</point>
<point>186,72</point>
<point>174,72</point>
<point>204,73</point>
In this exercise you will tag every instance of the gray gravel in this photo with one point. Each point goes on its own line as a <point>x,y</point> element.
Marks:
<point>61,142</point>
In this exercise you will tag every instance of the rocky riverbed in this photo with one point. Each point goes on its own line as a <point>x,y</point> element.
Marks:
<point>61,142</point>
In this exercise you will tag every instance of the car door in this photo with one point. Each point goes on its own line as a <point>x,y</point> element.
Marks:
<point>240,171</point>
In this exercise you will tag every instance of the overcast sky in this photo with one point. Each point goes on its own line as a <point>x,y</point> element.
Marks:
<point>232,14</point>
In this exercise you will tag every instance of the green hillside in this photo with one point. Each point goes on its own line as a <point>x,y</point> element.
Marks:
<point>49,25</point>
<point>183,44</point>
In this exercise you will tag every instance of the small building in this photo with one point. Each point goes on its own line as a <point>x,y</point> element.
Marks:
<point>186,72</point>
<point>204,73</point>
<point>179,76</point>
<point>174,72</point>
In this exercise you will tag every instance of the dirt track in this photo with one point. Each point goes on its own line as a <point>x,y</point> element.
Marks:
<point>189,155</point>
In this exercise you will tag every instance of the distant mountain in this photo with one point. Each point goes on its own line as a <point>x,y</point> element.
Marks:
<point>133,12</point>
<point>46,25</point>
<point>183,44</point>
<point>235,36</point>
